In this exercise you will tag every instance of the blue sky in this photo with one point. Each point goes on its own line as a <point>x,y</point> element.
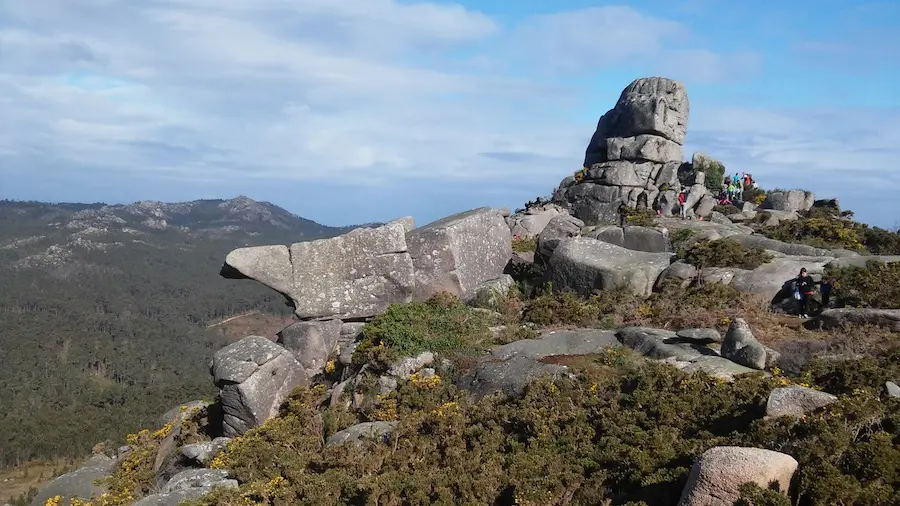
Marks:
<point>349,111</point>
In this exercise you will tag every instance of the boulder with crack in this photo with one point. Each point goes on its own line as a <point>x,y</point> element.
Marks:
<point>312,342</point>
<point>457,253</point>
<point>355,275</point>
<point>583,265</point>
<point>254,376</point>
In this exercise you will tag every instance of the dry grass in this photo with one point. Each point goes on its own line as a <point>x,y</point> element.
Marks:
<point>16,481</point>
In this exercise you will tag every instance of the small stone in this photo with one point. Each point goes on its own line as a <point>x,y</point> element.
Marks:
<point>893,389</point>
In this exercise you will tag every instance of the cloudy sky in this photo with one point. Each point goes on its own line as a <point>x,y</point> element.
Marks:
<point>348,111</point>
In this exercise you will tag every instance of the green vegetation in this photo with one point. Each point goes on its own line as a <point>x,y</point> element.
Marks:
<point>641,217</point>
<point>620,431</point>
<point>701,305</point>
<point>724,253</point>
<point>726,209</point>
<point>103,338</point>
<point>681,236</point>
<point>823,228</point>
<point>877,285</point>
<point>715,175</point>
<point>440,324</point>
<point>524,244</point>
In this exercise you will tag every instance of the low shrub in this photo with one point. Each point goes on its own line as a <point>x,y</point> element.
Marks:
<point>715,175</point>
<point>820,231</point>
<point>877,285</point>
<point>617,431</point>
<point>681,236</point>
<point>524,244</point>
<point>724,253</point>
<point>726,209</point>
<point>641,217</point>
<point>880,241</point>
<point>707,305</point>
<point>440,324</point>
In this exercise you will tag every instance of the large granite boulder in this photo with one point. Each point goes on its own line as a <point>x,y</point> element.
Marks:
<point>652,148</point>
<point>312,342</point>
<point>855,317</point>
<point>718,474</point>
<point>358,274</point>
<point>634,155</point>
<point>531,221</point>
<point>740,346</point>
<point>457,253</point>
<point>583,265</point>
<point>651,105</point>
<point>254,376</point>
<point>81,483</point>
<point>189,485</point>
<point>558,229</point>
<point>651,240</point>
<point>790,201</point>
<point>796,401</point>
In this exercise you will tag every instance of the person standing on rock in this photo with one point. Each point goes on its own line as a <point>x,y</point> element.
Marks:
<point>682,197</point>
<point>804,286</point>
<point>623,213</point>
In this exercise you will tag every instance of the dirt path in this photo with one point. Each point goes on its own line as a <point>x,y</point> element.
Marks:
<point>232,318</point>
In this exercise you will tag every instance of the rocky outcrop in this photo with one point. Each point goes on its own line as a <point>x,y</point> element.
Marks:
<point>796,401</point>
<point>853,317</point>
<point>560,228</point>
<point>531,221</point>
<point>188,485</point>
<point>718,473</point>
<point>358,274</point>
<point>254,376</point>
<point>687,355</point>
<point>790,201</point>
<point>509,368</point>
<point>651,240</point>
<point>311,342</point>
<point>181,413</point>
<point>372,431</point>
<point>457,253</point>
<point>634,156</point>
<point>81,483</point>
<point>582,265</point>
<point>740,346</point>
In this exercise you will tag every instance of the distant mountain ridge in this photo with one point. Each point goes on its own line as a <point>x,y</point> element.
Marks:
<point>104,311</point>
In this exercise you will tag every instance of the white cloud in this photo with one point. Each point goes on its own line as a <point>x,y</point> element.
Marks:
<point>372,91</point>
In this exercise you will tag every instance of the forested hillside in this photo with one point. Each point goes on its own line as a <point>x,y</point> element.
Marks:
<point>103,312</point>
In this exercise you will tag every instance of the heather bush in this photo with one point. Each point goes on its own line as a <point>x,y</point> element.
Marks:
<point>877,285</point>
<point>724,253</point>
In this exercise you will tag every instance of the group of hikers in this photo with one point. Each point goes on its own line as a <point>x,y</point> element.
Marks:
<point>733,187</point>
<point>804,289</point>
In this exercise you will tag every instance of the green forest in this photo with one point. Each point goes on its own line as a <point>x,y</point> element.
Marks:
<point>102,339</point>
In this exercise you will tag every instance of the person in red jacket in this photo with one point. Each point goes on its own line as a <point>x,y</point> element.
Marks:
<point>682,197</point>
